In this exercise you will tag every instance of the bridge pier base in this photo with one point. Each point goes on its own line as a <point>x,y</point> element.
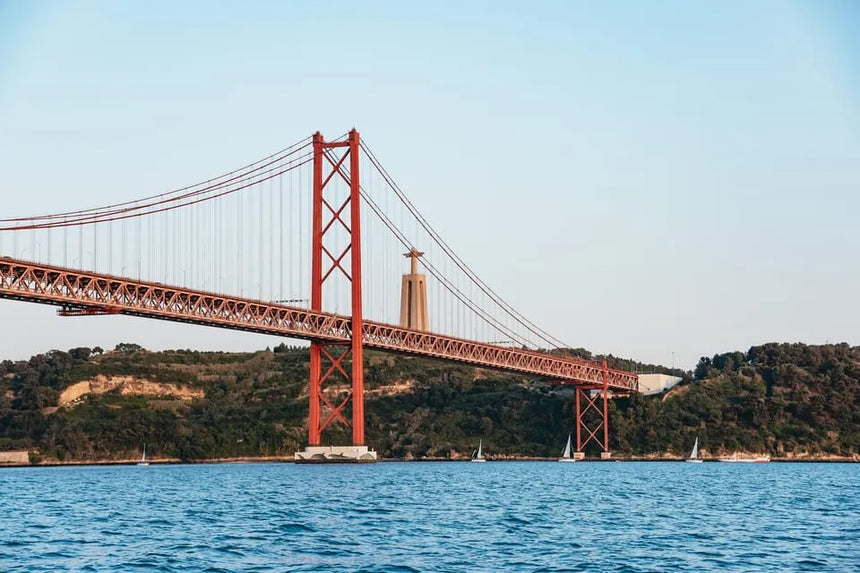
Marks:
<point>335,455</point>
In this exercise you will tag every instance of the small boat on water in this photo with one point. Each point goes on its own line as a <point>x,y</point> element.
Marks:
<point>477,456</point>
<point>694,455</point>
<point>143,461</point>
<point>736,460</point>
<point>565,456</point>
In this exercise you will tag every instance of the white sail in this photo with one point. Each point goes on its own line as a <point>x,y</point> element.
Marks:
<point>143,457</point>
<point>565,456</point>
<point>478,456</point>
<point>695,454</point>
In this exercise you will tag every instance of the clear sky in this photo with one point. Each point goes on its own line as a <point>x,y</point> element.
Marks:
<point>640,178</point>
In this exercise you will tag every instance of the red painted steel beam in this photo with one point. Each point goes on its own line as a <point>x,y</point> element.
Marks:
<point>315,370</point>
<point>355,283</point>
<point>46,284</point>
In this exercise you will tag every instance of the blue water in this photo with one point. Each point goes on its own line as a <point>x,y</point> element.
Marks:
<point>512,516</point>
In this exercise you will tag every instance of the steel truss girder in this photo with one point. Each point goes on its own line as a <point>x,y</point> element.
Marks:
<point>40,283</point>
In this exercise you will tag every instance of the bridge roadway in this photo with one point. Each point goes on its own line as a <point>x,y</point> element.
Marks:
<point>85,293</point>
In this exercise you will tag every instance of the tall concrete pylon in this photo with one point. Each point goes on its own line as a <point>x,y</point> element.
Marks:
<point>413,296</point>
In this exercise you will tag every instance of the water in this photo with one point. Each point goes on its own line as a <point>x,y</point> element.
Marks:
<point>432,517</point>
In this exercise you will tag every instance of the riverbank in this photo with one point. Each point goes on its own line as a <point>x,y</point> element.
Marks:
<point>212,405</point>
<point>290,459</point>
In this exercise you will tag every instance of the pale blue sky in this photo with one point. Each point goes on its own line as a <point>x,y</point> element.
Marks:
<point>638,178</point>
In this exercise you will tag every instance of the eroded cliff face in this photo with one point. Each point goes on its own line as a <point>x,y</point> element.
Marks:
<point>127,385</point>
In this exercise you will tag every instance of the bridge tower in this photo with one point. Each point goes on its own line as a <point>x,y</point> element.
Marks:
<point>328,360</point>
<point>593,397</point>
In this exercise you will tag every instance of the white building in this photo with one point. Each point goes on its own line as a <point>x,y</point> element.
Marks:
<point>650,384</point>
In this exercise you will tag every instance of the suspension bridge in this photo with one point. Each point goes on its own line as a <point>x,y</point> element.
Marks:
<point>299,245</point>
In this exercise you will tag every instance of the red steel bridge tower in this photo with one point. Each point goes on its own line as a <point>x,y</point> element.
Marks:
<point>346,358</point>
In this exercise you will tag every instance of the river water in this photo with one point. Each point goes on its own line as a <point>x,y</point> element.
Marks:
<point>504,516</point>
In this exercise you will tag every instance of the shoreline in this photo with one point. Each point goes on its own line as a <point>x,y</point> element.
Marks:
<point>290,459</point>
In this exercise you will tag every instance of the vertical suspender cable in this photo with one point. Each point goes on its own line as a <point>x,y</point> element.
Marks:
<point>260,192</point>
<point>281,232</point>
<point>270,238</point>
<point>238,263</point>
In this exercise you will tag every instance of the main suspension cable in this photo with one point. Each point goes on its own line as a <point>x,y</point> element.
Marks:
<point>283,153</point>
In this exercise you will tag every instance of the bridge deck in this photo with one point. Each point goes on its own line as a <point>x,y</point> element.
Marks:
<point>85,293</point>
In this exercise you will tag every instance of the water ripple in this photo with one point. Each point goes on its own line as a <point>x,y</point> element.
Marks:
<point>539,517</point>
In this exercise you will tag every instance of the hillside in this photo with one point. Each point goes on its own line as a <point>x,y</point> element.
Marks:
<point>86,404</point>
<point>787,400</point>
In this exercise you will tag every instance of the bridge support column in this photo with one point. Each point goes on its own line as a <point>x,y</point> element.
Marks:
<point>329,260</point>
<point>596,399</point>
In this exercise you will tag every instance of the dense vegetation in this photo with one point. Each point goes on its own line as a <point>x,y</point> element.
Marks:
<point>783,399</point>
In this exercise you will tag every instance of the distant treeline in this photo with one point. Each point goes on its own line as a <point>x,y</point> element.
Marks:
<point>781,399</point>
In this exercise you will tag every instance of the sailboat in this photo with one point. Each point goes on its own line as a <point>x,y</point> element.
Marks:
<point>565,456</point>
<point>478,457</point>
<point>143,461</point>
<point>694,455</point>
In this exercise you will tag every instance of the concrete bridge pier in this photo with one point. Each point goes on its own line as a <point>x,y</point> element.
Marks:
<point>335,455</point>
